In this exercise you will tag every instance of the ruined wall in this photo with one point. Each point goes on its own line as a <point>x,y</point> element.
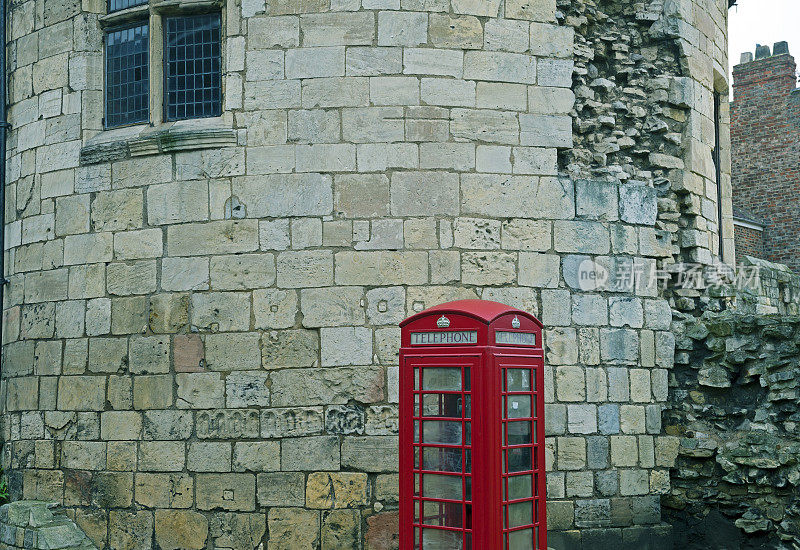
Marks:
<point>38,525</point>
<point>200,332</point>
<point>734,407</point>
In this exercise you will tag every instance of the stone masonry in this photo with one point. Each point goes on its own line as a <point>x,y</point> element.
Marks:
<point>200,338</point>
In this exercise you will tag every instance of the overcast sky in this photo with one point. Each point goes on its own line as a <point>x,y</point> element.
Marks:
<point>764,22</point>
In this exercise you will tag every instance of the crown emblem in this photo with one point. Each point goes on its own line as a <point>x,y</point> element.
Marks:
<point>515,323</point>
<point>443,322</point>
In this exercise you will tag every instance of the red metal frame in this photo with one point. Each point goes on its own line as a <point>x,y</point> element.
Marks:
<point>477,518</point>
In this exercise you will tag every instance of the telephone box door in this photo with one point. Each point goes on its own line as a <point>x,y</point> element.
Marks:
<point>438,446</point>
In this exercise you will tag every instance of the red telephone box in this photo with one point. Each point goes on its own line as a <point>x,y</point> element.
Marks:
<point>472,473</point>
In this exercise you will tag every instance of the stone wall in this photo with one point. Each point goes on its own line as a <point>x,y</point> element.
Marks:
<point>200,340</point>
<point>39,525</point>
<point>733,408</point>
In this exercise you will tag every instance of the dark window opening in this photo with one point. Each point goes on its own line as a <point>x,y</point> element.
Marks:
<point>192,72</point>
<point>116,5</point>
<point>127,76</point>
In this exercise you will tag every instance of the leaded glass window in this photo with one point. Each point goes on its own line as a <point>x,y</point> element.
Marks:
<point>127,76</point>
<point>116,5</point>
<point>192,66</point>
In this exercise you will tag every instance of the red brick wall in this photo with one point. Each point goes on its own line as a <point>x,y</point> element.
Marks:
<point>765,146</point>
<point>749,241</point>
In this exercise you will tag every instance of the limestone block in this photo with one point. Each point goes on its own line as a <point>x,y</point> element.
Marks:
<point>571,453</point>
<point>135,245</point>
<point>397,28</point>
<point>626,311</point>
<point>555,72</point>
<point>210,163</point>
<point>500,66</point>
<point>272,32</point>
<point>339,157</point>
<point>430,61</point>
<point>316,62</point>
<point>450,156</point>
<point>618,384</point>
<point>420,233</point>
<point>88,248</point>
<point>217,237</point>
<point>164,490</point>
<point>545,130</point>
<point>381,267</point>
<point>177,202</point>
<point>200,390</point>
<point>532,10</point>
<point>137,277</point>
<point>184,274</point>
<point>582,419</point>
<point>484,125</point>
<point>634,482</point>
<point>551,40</point>
<point>271,94</point>
<point>289,349</point>
<point>310,453</point>
<point>371,61</point>
<point>148,354</point>
<point>236,492</point>
<point>221,311</point>
<point>242,272</point>
<point>80,393</point>
<point>412,194</point>
<point>227,424</point>
<point>550,101</point>
<point>334,29</point>
<point>267,65</point>
<point>281,489</point>
<point>117,210</point>
<point>305,269</point>
<point>293,529</point>
<point>181,529</point>
<point>488,268</point>
<point>372,124</point>
<point>619,345</point>
<point>120,425</point>
<point>247,389</point>
<point>313,126</point>
<point>506,35</point>
<point>632,419</point>
<point>326,490</point>
<point>332,306</point>
<point>394,90</point>
<point>83,455</point>
<point>447,31</point>
<point>256,456</point>
<point>23,394</point>
<point>570,383</point>
<point>232,351</point>
<point>493,158</point>
<point>288,195</point>
<point>274,234</point>
<point>136,172</point>
<point>167,425</point>
<point>480,8</point>
<point>589,309</point>
<point>204,456</point>
<point>521,234</point>
<point>72,215</point>
<point>370,453</point>
<point>517,196</point>
<point>624,451</point>
<point>539,270</point>
<point>327,386</point>
<point>128,529</point>
<point>152,392</point>
<point>346,346</point>
<point>335,92</point>
<point>361,195</point>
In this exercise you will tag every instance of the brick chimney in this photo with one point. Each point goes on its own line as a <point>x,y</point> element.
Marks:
<point>765,146</point>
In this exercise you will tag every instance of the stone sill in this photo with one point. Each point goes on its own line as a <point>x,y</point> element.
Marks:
<point>143,140</point>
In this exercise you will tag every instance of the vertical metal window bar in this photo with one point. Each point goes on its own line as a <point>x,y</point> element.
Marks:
<point>116,5</point>
<point>193,73</point>
<point>127,76</point>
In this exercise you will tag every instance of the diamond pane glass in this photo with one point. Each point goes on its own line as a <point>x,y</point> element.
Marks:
<point>127,76</point>
<point>193,74</point>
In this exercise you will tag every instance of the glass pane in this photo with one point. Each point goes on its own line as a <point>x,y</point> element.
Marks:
<point>436,539</point>
<point>518,380</point>
<point>192,66</point>
<point>441,460</point>
<point>520,514</point>
<point>116,5</point>
<point>519,406</point>
<point>441,486</point>
<point>416,379</point>
<point>519,487</point>
<point>447,432</point>
<point>441,379</point>
<point>445,514</point>
<point>127,93</point>
<point>519,433</point>
<point>520,540</point>
<point>519,460</point>
<point>441,404</point>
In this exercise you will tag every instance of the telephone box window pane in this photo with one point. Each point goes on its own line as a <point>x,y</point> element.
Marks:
<point>519,433</point>
<point>444,514</point>
<point>520,540</point>
<point>519,487</point>
<point>442,486</point>
<point>520,460</point>
<point>127,76</point>
<point>116,5</point>
<point>518,380</point>
<point>441,404</point>
<point>520,514</point>
<point>442,432</point>
<point>193,74</point>
<point>441,460</point>
<point>438,539</point>
<point>519,406</point>
<point>441,379</point>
